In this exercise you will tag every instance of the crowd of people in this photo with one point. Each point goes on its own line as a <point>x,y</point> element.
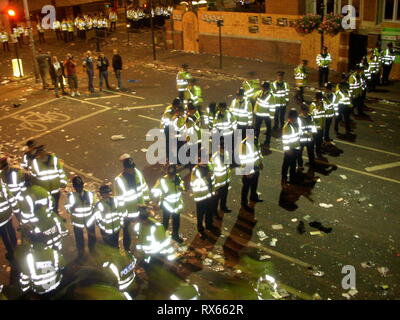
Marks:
<point>32,190</point>
<point>58,71</point>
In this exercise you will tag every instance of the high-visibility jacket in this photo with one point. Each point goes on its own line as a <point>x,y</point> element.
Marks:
<point>182,80</point>
<point>39,27</point>
<point>130,196</point>
<point>3,37</point>
<point>242,112</point>
<point>14,179</point>
<point>343,97</point>
<point>56,25</point>
<point>291,136</point>
<point>169,193</point>
<point>21,30</point>
<point>203,187</point>
<point>265,105</point>
<point>81,25</point>
<point>366,70</point>
<point>355,82</point>
<point>48,229</point>
<point>95,23</point>
<point>49,173</point>
<point>250,156</point>
<point>113,17</point>
<point>317,110</point>
<point>122,267</point>
<point>221,168</point>
<point>379,54</point>
<point>194,94</point>
<point>89,24</point>
<point>8,204</point>
<point>280,90</point>
<point>64,26</point>
<point>152,239</point>
<point>300,76</point>
<point>324,60</point>
<point>109,215</point>
<point>307,128</point>
<point>41,270</point>
<point>331,105</point>
<point>192,131</point>
<point>388,57</point>
<point>225,123</point>
<point>196,117</point>
<point>34,201</point>
<point>81,208</point>
<point>374,64</point>
<point>250,88</point>
<point>208,118</point>
<point>178,125</point>
<point>167,116</point>
<point>70,26</point>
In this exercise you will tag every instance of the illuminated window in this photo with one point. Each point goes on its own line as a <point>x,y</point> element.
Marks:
<point>391,10</point>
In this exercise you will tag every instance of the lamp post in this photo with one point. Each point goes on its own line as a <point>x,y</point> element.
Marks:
<point>152,30</point>
<point>322,19</point>
<point>220,23</point>
<point>31,41</point>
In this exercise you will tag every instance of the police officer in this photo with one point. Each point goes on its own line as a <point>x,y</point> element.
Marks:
<point>80,204</point>
<point>224,123</point>
<point>324,60</point>
<point>48,171</point>
<point>291,146</point>
<point>131,190</point>
<point>308,129</point>
<point>109,215</point>
<point>344,107</point>
<point>250,160</point>
<point>193,92</point>
<point>331,109</point>
<point>317,110</point>
<point>4,40</point>
<point>388,59</point>
<point>166,122</point>
<point>356,90</point>
<point>13,177</point>
<point>264,111</point>
<point>28,154</point>
<point>202,182</point>
<point>182,80</point>
<point>280,91</point>
<point>300,79</point>
<point>242,112</point>
<point>168,191</point>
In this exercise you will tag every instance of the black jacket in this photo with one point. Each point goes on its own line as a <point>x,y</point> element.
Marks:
<point>102,64</point>
<point>117,62</point>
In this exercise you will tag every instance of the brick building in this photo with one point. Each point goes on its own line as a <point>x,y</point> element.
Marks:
<point>270,37</point>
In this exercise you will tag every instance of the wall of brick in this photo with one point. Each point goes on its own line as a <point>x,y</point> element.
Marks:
<point>369,13</point>
<point>285,6</point>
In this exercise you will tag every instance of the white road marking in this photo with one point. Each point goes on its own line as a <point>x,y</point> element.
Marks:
<point>141,107</point>
<point>105,97</point>
<point>125,94</point>
<point>367,148</point>
<point>383,166</point>
<point>150,118</point>
<point>81,173</point>
<point>29,108</point>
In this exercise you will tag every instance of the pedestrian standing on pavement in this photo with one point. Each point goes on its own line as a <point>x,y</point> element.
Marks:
<point>117,66</point>
<point>291,146</point>
<point>43,61</point>
<point>88,65</point>
<point>102,66</point>
<point>70,68</point>
<point>57,76</point>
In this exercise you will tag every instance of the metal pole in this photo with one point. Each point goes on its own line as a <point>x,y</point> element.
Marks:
<point>17,55</point>
<point>31,41</point>
<point>219,23</point>
<point>152,30</point>
<point>322,18</point>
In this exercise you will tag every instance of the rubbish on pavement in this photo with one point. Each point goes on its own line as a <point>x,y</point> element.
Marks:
<point>316,296</point>
<point>273,242</point>
<point>307,217</point>
<point>143,150</point>
<point>367,264</point>
<point>326,206</point>
<point>344,177</point>
<point>301,227</point>
<point>315,233</point>
<point>117,137</point>
<point>264,257</point>
<point>294,220</point>
<point>383,271</point>
<point>133,81</point>
<point>277,227</point>
<point>318,225</point>
<point>352,292</point>
<point>385,287</point>
<point>261,234</point>
<point>339,200</point>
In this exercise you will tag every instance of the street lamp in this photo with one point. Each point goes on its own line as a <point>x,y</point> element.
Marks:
<point>322,19</point>
<point>152,30</point>
<point>220,23</point>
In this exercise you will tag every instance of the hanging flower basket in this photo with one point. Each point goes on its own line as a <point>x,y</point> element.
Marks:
<point>307,23</point>
<point>332,25</point>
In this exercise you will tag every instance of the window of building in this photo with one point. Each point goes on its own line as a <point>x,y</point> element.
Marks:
<point>391,10</point>
<point>332,6</point>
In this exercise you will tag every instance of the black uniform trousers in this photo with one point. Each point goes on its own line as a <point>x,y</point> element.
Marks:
<point>9,237</point>
<point>222,196</point>
<point>358,103</point>
<point>250,183</point>
<point>344,115</point>
<point>318,142</point>
<point>279,118</point>
<point>80,240</point>
<point>299,95</point>
<point>58,34</point>
<point>205,212</point>
<point>327,127</point>
<point>289,164</point>
<point>56,197</point>
<point>127,239</point>
<point>323,75</point>
<point>176,221</point>
<point>257,128</point>
<point>386,73</point>
<point>6,46</point>
<point>65,34</point>
<point>310,146</point>
<point>110,239</point>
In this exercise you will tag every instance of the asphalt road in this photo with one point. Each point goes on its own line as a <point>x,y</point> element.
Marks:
<point>363,194</point>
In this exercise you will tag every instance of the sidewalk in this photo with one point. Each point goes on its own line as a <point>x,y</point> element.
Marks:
<point>139,52</point>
